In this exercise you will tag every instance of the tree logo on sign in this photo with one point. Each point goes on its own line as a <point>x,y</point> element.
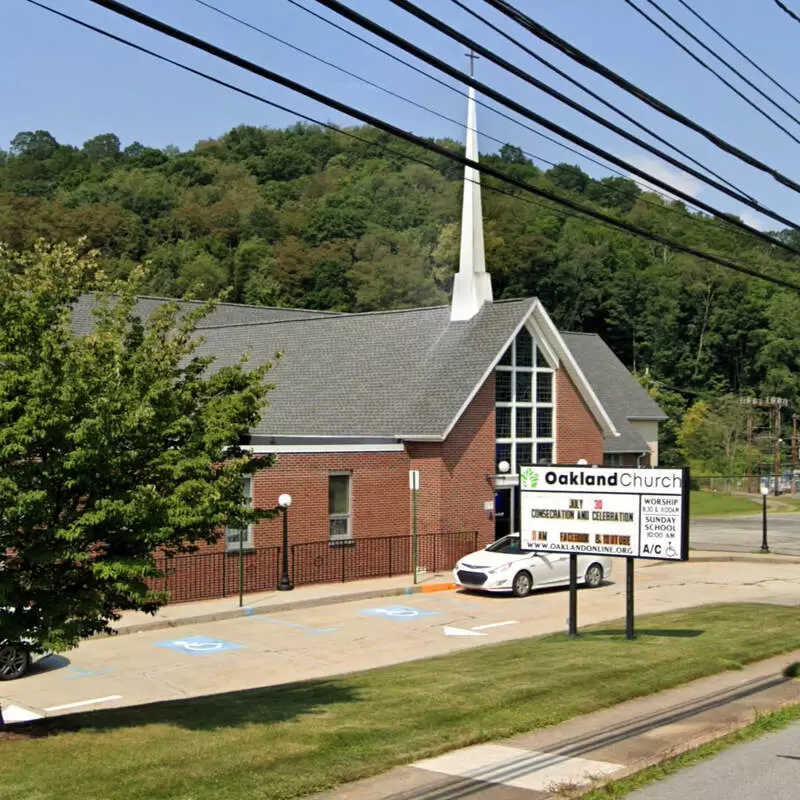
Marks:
<point>530,478</point>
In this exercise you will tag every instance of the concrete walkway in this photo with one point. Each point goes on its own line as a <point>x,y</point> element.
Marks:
<point>324,594</point>
<point>587,751</point>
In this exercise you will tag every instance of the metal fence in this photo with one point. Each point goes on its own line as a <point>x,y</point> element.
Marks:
<point>202,576</point>
<point>787,482</point>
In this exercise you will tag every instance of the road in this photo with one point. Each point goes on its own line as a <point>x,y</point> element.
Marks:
<point>308,643</point>
<point>768,767</point>
<point>743,534</point>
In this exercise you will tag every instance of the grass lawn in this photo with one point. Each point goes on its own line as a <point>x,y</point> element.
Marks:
<point>712,504</point>
<point>286,741</point>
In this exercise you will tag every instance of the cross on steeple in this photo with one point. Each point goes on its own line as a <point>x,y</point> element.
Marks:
<point>472,58</point>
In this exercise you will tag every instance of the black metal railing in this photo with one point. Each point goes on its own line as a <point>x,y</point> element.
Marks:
<point>203,576</point>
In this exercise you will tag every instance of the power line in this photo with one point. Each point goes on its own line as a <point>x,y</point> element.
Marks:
<point>788,10</point>
<point>714,72</point>
<point>590,92</point>
<point>494,110</point>
<point>533,156</point>
<point>418,52</point>
<point>734,47</point>
<point>587,61</point>
<point>480,102</point>
<point>224,55</point>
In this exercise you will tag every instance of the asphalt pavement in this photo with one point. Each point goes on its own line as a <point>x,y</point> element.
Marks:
<point>744,534</point>
<point>768,767</point>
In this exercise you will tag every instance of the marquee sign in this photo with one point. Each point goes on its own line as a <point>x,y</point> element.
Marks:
<point>609,511</point>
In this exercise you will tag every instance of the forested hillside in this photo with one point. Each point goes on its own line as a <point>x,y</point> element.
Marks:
<point>315,218</point>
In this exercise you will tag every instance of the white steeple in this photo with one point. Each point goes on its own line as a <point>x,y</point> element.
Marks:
<point>472,286</point>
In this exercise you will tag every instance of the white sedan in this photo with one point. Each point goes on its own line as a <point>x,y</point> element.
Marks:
<point>504,567</point>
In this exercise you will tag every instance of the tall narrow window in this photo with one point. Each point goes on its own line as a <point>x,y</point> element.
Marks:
<point>339,507</point>
<point>234,537</point>
<point>524,404</point>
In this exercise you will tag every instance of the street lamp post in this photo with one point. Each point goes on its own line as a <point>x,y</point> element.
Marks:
<point>764,493</point>
<point>285,585</point>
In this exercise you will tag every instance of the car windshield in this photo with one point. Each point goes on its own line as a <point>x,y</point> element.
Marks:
<point>508,544</point>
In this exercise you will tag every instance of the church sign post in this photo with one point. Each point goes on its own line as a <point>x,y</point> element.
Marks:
<point>605,511</point>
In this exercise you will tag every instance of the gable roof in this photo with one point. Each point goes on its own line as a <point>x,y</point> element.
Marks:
<point>223,313</point>
<point>620,393</point>
<point>404,374</point>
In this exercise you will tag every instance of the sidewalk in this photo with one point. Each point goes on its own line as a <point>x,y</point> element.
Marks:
<point>592,749</point>
<point>322,594</point>
<point>317,594</point>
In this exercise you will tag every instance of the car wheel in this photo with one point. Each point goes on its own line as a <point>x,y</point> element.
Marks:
<point>594,576</point>
<point>14,661</point>
<point>523,583</point>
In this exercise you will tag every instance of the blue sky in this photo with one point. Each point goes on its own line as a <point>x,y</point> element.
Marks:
<point>74,83</point>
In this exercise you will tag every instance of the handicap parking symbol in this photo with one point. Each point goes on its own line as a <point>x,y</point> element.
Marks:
<point>200,645</point>
<point>399,612</point>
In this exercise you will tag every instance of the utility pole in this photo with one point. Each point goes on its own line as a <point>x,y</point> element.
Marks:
<point>776,464</point>
<point>749,446</point>
<point>794,453</point>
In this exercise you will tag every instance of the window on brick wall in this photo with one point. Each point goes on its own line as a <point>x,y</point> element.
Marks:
<point>339,506</point>
<point>524,404</point>
<point>241,537</point>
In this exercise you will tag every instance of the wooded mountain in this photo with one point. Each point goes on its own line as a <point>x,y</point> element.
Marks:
<point>317,218</point>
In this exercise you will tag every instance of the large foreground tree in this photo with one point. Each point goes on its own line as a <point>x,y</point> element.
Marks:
<point>116,444</point>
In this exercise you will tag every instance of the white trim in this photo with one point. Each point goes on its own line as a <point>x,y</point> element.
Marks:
<point>540,338</point>
<point>264,449</point>
<point>553,338</point>
<point>557,352</point>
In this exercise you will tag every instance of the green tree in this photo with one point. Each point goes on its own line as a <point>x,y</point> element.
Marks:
<point>713,436</point>
<point>116,444</point>
<point>106,145</point>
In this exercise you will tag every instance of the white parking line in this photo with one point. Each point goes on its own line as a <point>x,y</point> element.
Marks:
<point>495,625</point>
<point>85,702</point>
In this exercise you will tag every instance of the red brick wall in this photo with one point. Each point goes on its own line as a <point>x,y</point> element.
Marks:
<point>578,434</point>
<point>379,484</point>
<point>468,457</point>
<point>453,483</point>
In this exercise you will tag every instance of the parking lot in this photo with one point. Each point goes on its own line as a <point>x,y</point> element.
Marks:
<point>268,649</point>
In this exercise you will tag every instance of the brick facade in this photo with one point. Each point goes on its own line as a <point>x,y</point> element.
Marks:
<point>453,474</point>
<point>577,433</point>
<point>454,488</point>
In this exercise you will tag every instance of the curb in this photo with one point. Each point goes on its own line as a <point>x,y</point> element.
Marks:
<point>748,558</point>
<point>437,587</point>
<point>250,611</point>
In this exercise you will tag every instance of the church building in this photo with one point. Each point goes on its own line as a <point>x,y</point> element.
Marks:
<point>461,396</point>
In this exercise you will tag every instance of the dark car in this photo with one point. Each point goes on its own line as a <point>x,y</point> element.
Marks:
<point>15,659</point>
